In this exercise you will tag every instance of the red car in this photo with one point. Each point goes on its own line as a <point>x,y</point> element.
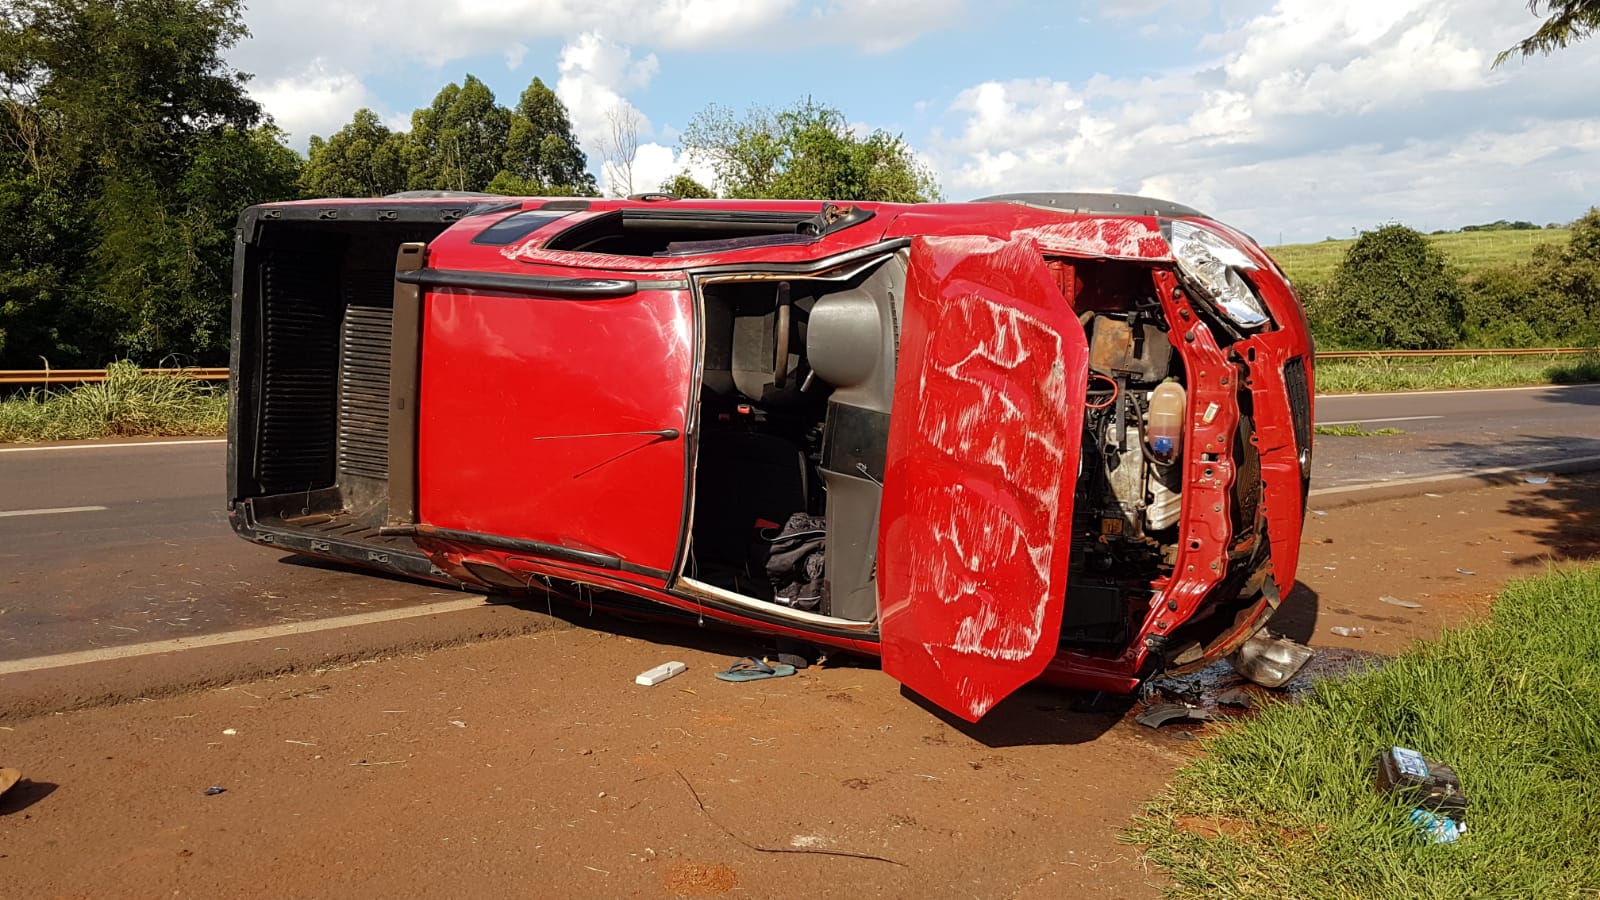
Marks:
<point>1038,436</point>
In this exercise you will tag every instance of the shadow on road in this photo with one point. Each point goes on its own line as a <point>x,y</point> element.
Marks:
<point>1521,450</point>
<point>1563,515</point>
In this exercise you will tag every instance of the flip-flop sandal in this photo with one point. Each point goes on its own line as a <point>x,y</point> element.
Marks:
<point>752,669</point>
<point>8,779</point>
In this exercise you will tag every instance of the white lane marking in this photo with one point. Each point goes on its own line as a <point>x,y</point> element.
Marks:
<point>114,446</point>
<point>13,513</point>
<point>1530,387</point>
<point>1376,421</point>
<point>130,651</point>
<point>1545,465</point>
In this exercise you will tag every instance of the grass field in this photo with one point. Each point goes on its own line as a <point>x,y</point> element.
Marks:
<point>1469,250</point>
<point>1283,806</point>
<point>1359,376</point>
<point>128,402</point>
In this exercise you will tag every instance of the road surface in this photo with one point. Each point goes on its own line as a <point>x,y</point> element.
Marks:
<point>123,544</point>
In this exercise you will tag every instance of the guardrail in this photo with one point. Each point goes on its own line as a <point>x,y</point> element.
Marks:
<point>83,376</point>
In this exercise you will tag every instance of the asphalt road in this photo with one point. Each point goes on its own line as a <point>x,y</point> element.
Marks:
<point>102,546</point>
<point>107,546</point>
<point>1455,431</point>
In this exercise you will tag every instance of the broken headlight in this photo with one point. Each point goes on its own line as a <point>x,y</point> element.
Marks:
<point>1211,266</point>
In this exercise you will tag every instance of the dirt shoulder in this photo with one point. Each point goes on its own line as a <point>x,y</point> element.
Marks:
<point>533,766</point>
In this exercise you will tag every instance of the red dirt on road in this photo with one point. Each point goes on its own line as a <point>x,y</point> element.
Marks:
<point>533,766</point>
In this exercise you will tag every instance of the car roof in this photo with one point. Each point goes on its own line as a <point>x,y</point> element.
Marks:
<point>1097,204</point>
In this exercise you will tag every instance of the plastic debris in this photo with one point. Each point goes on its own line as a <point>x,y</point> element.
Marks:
<point>230,731</point>
<point>1318,512</point>
<point>1465,572</point>
<point>660,673</point>
<point>215,789</point>
<point>1348,630</point>
<point>1436,828</point>
<point>1537,479</point>
<point>1162,713</point>
<point>1396,601</point>
<point>1431,789</point>
<point>1236,696</point>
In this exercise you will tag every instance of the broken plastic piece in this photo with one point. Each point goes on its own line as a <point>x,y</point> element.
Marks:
<point>1537,479</point>
<point>1466,572</point>
<point>1436,828</point>
<point>1396,601</point>
<point>1269,661</point>
<point>1162,713</point>
<point>660,673</point>
<point>1348,630</point>
<point>214,790</point>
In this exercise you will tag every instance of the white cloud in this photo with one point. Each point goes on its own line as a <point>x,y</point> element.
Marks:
<point>314,101</point>
<point>594,73</point>
<point>1311,117</point>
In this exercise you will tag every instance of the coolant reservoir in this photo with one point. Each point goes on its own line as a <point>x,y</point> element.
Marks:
<point>1163,432</point>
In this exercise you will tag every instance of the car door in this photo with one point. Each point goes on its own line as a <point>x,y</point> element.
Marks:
<point>982,463</point>
<point>552,414</point>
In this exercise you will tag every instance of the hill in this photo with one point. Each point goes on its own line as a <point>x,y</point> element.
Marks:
<point>1471,251</point>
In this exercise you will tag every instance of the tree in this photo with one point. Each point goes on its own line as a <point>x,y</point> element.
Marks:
<point>458,142</point>
<point>362,159</point>
<point>619,147</point>
<point>1570,21</point>
<point>807,150</point>
<point>1394,291</point>
<point>541,154</point>
<point>126,149</point>
<point>684,187</point>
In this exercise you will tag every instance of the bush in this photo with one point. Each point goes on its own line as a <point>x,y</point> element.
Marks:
<point>128,402</point>
<point>1393,291</point>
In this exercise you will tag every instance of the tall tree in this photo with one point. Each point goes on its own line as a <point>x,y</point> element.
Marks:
<point>541,154</point>
<point>1570,21</point>
<point>121,116</point>
<point>684,187</point>
<point>458,142</point>
<point>807,150</point>
<point>362,159</point>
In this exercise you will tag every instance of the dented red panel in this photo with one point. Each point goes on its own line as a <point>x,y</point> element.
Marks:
<point>983,456</point>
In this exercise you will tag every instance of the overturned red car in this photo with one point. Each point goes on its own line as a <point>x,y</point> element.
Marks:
<point>1037,436</point>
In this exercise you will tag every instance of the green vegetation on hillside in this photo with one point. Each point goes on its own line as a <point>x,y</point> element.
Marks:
<point>1283,806</point>
<point>1470,251</point>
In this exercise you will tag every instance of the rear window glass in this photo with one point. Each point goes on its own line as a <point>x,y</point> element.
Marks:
<point>516,226</point>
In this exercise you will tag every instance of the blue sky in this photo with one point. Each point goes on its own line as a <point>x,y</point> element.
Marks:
<point>1295,120</point>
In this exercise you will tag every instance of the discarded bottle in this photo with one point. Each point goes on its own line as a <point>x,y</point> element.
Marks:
<point>1163,431</point>
<point>1436,828</point>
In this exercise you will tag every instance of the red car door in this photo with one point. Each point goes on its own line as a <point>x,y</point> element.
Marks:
<point>557,421</point>
<point>982,463</point>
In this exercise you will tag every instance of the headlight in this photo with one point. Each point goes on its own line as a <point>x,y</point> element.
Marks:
<point>1211,265</point>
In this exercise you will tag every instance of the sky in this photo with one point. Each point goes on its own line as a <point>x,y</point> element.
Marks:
<point>1295,120</point>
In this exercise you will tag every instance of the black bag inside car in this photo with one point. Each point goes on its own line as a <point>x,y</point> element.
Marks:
<point>793,558</point>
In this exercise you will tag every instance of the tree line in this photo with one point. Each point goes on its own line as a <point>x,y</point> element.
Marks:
<point>128,146</point>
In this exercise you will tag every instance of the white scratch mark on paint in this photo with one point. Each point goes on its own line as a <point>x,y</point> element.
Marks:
<point>1112,238</point>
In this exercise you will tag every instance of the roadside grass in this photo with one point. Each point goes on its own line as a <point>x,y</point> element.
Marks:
<point>1284,806</point>
<point>128,402</point>
<point>1358,376</point>
<point>1354,430</point>
<point>1470,250</point>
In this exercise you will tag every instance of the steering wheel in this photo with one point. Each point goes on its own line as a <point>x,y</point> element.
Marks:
<point>780,338</point>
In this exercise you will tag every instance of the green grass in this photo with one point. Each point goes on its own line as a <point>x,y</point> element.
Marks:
<point>128,402</point>
<point>1470,250</point>
<point>1511,703</point>
<point>1354,430</point>
<point>1354,376</point>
